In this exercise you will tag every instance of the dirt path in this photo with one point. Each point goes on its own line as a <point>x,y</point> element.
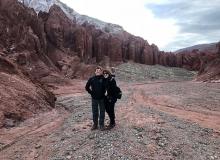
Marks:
<point>172,120</point>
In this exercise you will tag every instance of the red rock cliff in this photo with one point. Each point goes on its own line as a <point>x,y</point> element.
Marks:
<point>51,42</point>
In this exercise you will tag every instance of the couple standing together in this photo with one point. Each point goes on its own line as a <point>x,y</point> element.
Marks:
<point>102,87</point>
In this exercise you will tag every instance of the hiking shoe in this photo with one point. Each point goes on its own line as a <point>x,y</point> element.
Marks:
<point>102,128</point>
<point>110,126</point>
<point>94,127</point>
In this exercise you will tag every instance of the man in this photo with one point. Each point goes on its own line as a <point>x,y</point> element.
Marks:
<point>110,98</point>
<point>96,88</point>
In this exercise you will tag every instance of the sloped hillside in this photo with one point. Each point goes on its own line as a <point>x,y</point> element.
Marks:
<point>20,97</point>
<point>134,72</point>
<point>210,70</point>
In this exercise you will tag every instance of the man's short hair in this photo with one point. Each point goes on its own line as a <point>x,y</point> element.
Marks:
<point>98,67</point>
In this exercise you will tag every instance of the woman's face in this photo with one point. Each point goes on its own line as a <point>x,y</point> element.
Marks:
<point>106,75</point>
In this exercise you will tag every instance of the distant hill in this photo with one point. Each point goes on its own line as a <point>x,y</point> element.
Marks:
<point>211,47</point>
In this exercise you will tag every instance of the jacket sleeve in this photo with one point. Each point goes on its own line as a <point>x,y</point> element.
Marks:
<point>114,83</point>
<point>87,87</point>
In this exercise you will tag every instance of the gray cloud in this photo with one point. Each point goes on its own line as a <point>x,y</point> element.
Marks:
<point>198,28</point>
<point>185,40</point>
<point>199,18</point>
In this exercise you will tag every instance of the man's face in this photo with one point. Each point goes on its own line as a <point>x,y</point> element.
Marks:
<point>98,72</point>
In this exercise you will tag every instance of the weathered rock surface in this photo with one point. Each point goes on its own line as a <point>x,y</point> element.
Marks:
<point>50,42</point>
<point>210,68</point>
<point>20,97</point>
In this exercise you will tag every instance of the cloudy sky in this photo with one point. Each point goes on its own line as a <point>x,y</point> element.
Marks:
<point>170,24</point>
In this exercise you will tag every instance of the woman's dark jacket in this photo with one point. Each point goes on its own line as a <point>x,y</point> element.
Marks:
<point>111,88</point>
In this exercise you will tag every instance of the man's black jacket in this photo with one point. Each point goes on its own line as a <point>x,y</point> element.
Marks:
<point>96,86</point>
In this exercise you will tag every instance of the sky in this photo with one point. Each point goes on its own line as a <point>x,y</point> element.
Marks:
<point>170,24</point>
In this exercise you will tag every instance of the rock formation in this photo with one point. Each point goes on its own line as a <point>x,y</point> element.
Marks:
<point>62,41</point>
<point>210,68</point>
<point>20,96</point>
<point>22,61</point>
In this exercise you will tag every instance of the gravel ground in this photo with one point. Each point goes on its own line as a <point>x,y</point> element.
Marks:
<point>155,120</point>
<point>142,131</point>
<point>133,72</point>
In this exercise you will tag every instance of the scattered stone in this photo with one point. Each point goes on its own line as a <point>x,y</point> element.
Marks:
<point>176,152</point>
<point>160,122</point>
<point>91,136</point>
<point>36,156</point>
<point>9,123</point>
<point>38,146</point>
<point>89,125</point>
<point>161,144</point>
<point>62,139</point>
<point>139,129</point>
<point>68,157</point>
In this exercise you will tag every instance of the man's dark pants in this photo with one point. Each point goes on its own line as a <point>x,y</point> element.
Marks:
<point>98,111</point>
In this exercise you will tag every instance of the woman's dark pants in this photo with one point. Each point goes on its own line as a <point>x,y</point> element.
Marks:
<point>110,109</point>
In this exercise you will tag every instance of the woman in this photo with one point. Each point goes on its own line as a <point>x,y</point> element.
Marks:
<point>110,98</point>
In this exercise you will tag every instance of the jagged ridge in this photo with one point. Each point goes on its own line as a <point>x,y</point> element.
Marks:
<point>58,39</point>
<point>45,5</point>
